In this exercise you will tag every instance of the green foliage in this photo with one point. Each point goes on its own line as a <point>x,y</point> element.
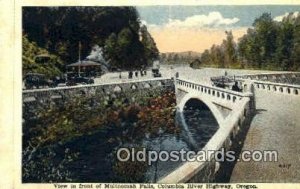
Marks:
<point>51,67</point>
<point>125,50</point>
<point>229,50</point>
<point>151,51</point>
<point>60,29</point>
<point>268,45</point>
<point>46,132</point>
<point>187,57</point>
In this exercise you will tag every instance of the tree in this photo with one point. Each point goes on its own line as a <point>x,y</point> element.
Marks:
<point>284,45</point>
<point>151,51</point>
<point>295,50</point>
<point>59,29</point>
<point>131,49</point>
<point>31,50</point>
<point>229,50</point>
<point>205,57</point>
<point>217,56</point>
<point>268,45</point>
<point>112,50</point>
<point>266,30</point>
<point>249,49</point>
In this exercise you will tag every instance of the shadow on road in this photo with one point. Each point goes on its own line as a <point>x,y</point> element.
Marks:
<point>226,168</point>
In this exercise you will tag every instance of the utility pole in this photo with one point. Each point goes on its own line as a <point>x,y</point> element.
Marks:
<point>79,59</point>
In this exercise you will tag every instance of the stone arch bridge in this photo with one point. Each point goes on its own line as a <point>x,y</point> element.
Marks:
<point>232,110</point>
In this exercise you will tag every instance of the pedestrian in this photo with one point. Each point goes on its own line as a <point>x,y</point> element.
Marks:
<point>235,87</point>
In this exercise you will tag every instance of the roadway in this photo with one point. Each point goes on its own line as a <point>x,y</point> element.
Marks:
<point>276,126</point>
<point>198,75</point>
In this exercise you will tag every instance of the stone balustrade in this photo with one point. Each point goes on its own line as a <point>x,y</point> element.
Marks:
<point>269,76</point>
<point>277,87</point>
<point>291,78</point>
<point>223,97</point>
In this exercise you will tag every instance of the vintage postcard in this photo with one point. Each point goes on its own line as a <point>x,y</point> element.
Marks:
<point>140,94</point>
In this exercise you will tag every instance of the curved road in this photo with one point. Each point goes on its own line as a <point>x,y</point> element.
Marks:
<point>276,126</point>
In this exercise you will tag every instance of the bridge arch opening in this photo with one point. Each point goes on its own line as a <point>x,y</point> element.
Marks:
<point>200,121</point>
<point>206,104</point>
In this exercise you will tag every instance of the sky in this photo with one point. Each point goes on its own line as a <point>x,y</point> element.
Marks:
<point>196,28</point>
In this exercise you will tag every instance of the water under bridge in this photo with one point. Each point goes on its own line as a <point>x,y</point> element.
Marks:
<point>264,116</point>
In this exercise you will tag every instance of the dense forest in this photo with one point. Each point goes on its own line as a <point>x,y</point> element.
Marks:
<point>268,45</point>
<point>179,57</point>
<point>57,32</point>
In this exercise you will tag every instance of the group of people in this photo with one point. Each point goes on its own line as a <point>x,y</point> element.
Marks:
<point>224,82</point>
<point>135,73</point>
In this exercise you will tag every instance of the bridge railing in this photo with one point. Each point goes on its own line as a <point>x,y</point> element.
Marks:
<point>283,88</point>
<point>277,87</point>
<point>268,76</point>
<point>219,94</point>
<point>272,82</point>
<point>207,169</point>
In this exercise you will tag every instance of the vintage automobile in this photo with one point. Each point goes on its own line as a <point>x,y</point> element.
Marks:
<point>156,73</point>
<point>36,81</point>
<point>79,80</point>
<point>155,69</point>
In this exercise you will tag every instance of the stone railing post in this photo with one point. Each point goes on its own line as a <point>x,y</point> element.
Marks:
<point>250,92</point>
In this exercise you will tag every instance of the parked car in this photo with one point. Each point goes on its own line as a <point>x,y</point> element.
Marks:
<point>59,80</point>
<point>36,80</point>
<point>156,73</point>
<point>79,80</point>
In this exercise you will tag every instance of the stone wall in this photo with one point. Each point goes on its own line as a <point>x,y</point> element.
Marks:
<point>64,93</point>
